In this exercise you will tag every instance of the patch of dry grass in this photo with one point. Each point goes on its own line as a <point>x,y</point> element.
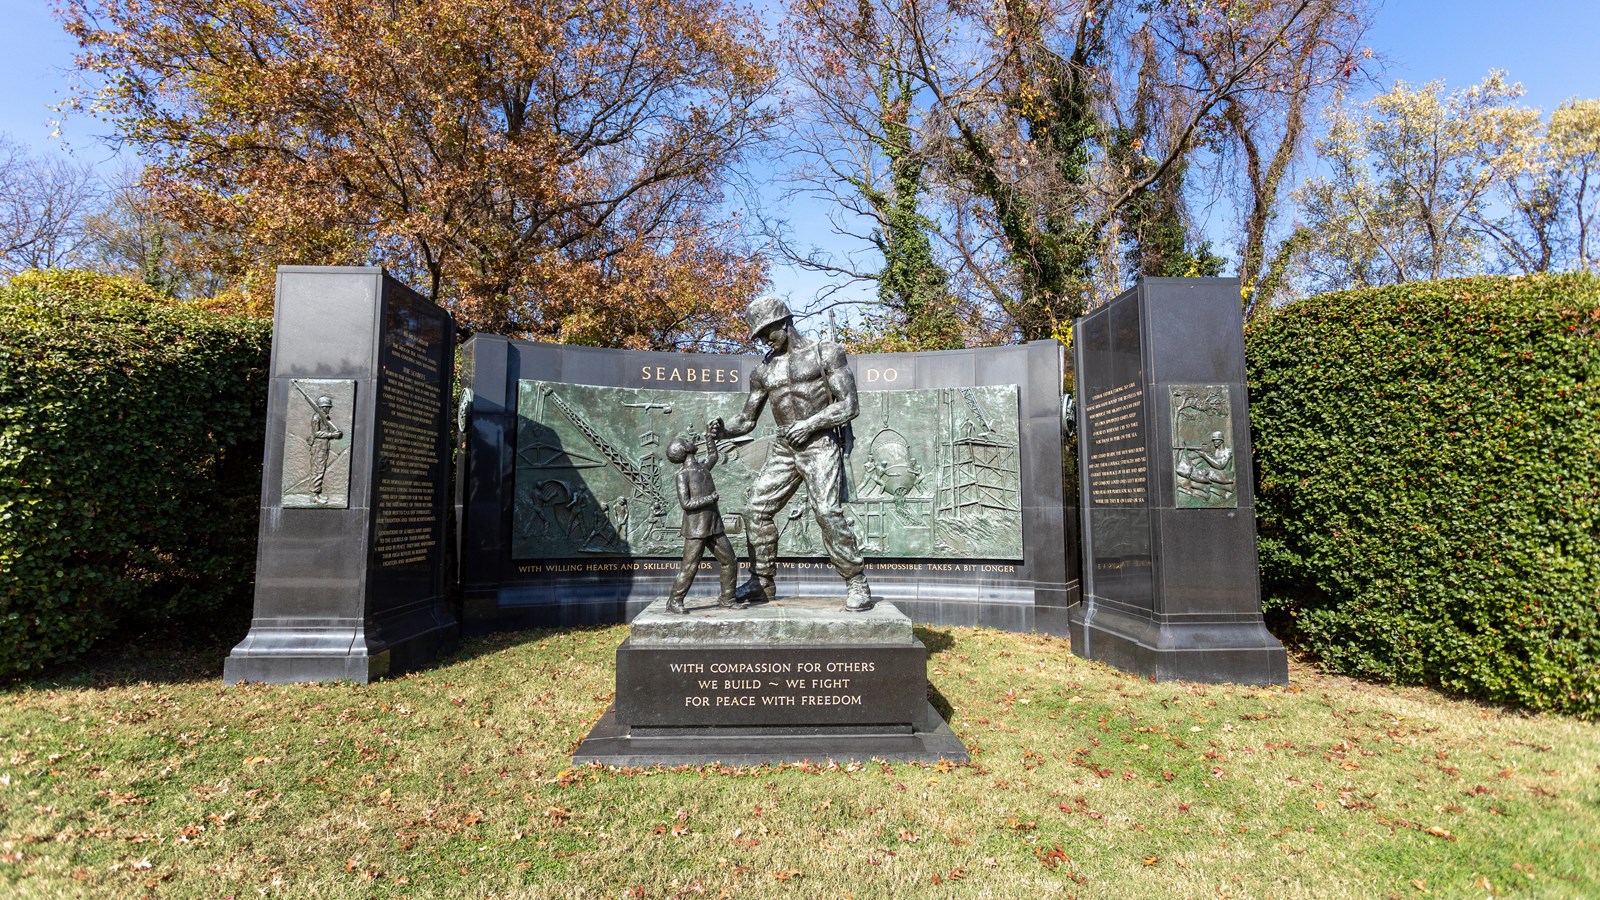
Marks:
<point>144,775</point>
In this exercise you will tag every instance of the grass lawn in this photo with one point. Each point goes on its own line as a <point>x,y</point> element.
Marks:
<point>141,774</point>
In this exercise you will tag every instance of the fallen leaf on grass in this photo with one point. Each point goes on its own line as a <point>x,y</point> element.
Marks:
<point>1150,860</point>
<point>908,835</point>
<point>1052,857</point>
<point>786,874</point>
<point>1438,832</point>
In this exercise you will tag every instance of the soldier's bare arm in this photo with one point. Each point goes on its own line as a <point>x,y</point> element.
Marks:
<point>745,421</point>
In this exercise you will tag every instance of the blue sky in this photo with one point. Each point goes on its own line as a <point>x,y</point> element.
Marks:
<point>1551,46</point>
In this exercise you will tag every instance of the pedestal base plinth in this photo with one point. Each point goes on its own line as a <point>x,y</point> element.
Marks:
<point>1238,650</point>
<point>792,680</point>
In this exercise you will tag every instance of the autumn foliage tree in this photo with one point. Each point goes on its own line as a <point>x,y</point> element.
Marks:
<point>1423,183</point>
<point>549,170</point>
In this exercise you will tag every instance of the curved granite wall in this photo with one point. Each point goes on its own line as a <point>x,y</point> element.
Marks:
<point>566,511</point>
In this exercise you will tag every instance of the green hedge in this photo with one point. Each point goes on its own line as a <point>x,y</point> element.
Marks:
<point>1429,484</point>
<point>130,459</point>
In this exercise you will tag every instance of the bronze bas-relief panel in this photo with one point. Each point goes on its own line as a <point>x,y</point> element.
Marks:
<point>1204,470</point>
<point>929,473</point>
<point>316,443</point>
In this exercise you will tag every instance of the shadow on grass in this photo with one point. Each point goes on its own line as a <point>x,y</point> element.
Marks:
<point>177,651</point>
<point>489,643</point>
<point>940,704</point>
<point>192,650</point>
<point>935,639</point>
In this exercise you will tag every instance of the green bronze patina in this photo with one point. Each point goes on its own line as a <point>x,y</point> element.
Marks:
<point>1204,474</point>
<point>930,473</point>
<point>316,443</point>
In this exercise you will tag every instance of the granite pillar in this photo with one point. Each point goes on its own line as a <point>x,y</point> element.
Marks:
<point>350,568</point>
<point>1171,584</point>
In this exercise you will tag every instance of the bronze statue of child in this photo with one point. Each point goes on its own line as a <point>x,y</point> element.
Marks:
<point>702,525</point>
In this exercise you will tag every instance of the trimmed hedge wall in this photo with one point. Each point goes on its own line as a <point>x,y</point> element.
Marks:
<point>1429,484</point>
<point>130,460</point>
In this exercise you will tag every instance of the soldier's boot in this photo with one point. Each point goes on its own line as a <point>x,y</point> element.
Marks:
<point>675,605</point>
<point>858,594</point>
<point>732,601</point>
<point>759,589</point>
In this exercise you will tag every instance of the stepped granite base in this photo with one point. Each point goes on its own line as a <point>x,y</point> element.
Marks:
<point>796,679</point>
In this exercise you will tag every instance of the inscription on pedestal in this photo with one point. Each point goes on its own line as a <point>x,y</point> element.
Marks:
<point>746,686</point>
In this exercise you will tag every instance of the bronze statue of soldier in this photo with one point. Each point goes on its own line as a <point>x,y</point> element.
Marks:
<point>813,395</point>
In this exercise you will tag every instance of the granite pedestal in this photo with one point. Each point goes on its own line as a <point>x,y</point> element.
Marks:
<point>796,679</point>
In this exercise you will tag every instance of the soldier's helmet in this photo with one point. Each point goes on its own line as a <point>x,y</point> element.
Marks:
<point>679,450</point>
<point>764,311</point>
<point>325,402</point>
